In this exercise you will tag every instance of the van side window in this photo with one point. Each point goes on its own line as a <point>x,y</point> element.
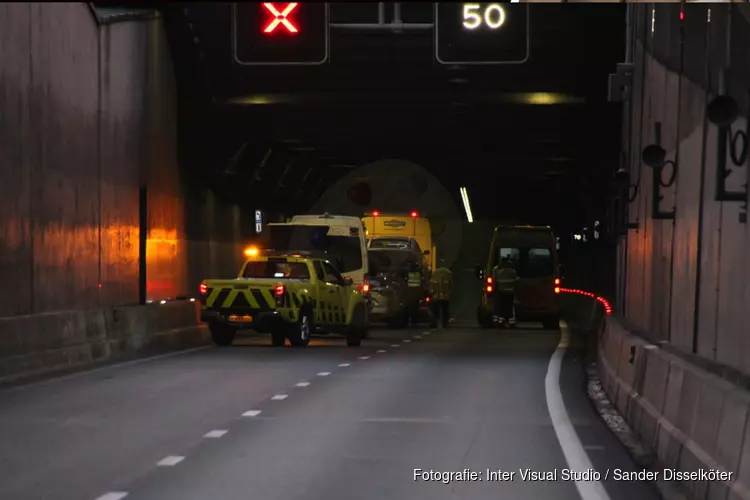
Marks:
<point>319,271</point>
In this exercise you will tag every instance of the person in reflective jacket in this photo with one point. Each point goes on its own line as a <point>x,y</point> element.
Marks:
<point>441,285</point>
<point>506,281</point>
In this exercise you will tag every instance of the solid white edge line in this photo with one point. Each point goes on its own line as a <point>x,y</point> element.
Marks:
<point>170,461</point>
<point>113,495</point>
<point>251,413</point>
<point>575,454</point>
<point>279,397</point>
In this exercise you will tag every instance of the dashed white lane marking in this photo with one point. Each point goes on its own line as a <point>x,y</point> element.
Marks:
<point>364,357</point>
<point>251,413</point>
<point>395,345</point>
<point>215,433</point>
<point>381,351</point>
<point>279,397</point>
<point>344,365</point>
<point>323,374</point>
<point>417,337</point>
<point>301,384</point>
<point>407,341</point>
<point>170,461</point>
<point>426,333</point>
<point>113,495</point>
<point>571,445</point>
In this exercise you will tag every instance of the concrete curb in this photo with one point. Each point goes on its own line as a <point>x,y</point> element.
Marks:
<point>690,418</point>
<point>35,346</point>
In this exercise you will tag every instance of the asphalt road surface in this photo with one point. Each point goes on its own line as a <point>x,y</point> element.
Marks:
<point>324,423</point>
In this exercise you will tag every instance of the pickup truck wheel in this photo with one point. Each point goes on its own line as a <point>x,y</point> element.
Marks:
<point>358,329</point>
<point>299,336</point>
<point>222,335</point>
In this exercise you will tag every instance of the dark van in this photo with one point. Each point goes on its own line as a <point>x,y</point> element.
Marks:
<point>532,252</point>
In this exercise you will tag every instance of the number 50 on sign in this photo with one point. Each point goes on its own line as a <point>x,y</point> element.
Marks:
<point>490,16</point>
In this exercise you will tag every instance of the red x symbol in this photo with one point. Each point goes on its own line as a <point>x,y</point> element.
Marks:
<point>280,17</point>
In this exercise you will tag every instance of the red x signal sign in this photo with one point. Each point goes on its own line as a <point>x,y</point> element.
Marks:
<point>280,16</point>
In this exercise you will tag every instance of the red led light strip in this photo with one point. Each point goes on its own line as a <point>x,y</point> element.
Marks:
<point>602,300</point>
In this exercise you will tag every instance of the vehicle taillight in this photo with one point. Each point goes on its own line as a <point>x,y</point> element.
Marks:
<point>375,213</point>
<point>365,287</point>
<point>427,299</point>
<point>203,288</point>
<point>557,281</point>
<point>557,289</point>
<point>489,288</point>
<point>280,291</point>
<point>489,280</point>
<point>414,213</point>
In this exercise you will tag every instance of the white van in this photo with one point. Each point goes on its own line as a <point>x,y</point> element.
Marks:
<point>345,241</point>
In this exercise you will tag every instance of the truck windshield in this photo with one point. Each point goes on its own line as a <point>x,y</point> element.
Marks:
<point>277,270</point>
<point>345,252</point>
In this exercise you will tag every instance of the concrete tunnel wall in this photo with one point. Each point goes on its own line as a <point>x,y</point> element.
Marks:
<point>87,116</point>
<point>88,111</point>
<point>685,397</point>
<point>661,257</point>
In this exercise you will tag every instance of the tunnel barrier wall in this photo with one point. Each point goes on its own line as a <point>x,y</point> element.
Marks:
<point>689,418</point>
<point>88,128</point>
<point>684,281</point>
<point>45,344</point>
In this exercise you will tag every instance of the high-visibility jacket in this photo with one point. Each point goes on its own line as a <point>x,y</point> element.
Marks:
<point>441,284</point>
<point>506,279</point>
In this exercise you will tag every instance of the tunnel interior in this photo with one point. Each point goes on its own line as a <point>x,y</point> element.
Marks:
<point>147,146</point>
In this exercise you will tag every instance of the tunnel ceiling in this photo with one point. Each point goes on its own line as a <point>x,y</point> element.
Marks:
<point>281,136</point>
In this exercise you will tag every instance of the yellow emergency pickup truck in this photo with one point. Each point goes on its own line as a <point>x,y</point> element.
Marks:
<point>289,295</point>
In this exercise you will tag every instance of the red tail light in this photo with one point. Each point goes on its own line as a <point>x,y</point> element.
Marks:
<point>427,299</point>
<point>557,289</point>
<point>557,281</point>
<point>414,213</point>
<point>489,280</point>
<point>203,288</point>
<point>375,213</point>
<point>280,292</point>
<point>489,288</point>
<point>365,287</point>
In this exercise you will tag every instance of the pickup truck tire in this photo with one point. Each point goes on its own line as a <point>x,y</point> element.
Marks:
<point>299,334</point>
<point>358,329</point>
<point>222,335</point>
